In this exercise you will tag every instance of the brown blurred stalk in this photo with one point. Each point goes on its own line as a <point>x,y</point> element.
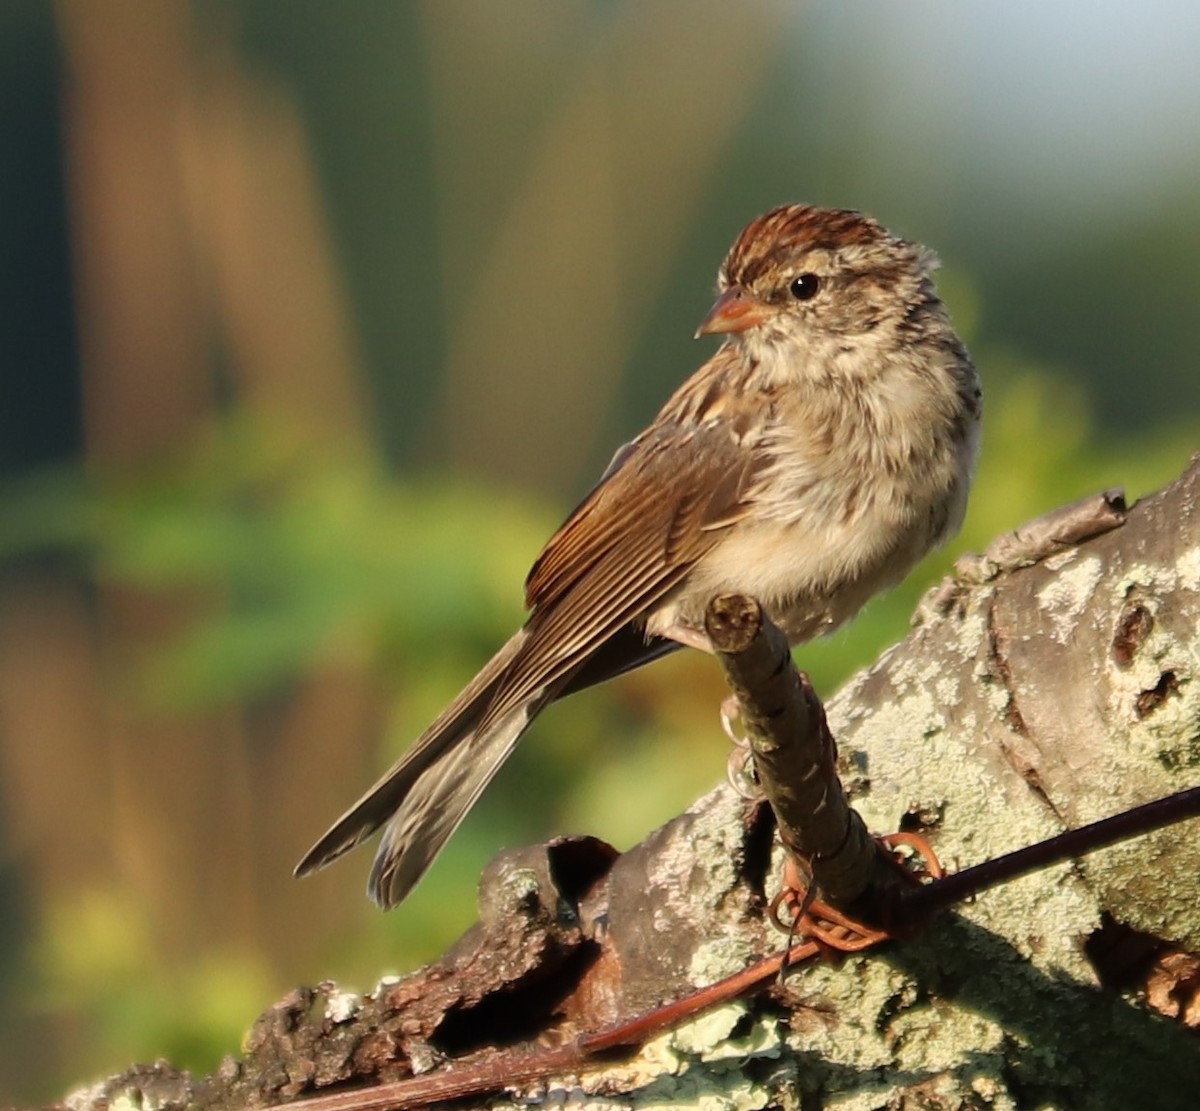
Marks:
<point>197,226</point>
<point>598,207</point>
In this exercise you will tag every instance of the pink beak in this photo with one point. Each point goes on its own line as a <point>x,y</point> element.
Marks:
<point>734,311</point>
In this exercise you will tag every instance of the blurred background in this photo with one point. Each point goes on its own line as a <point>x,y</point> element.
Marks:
<point>317,317</point>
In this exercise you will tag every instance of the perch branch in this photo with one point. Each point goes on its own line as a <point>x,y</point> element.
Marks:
<point>794,752</point>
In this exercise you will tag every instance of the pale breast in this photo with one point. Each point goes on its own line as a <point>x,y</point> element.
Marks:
<point>857,492</point>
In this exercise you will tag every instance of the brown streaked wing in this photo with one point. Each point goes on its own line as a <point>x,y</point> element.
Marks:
<point>668,495</point>
<point>631,541</point>
<point>561,560</point>
<point>695,429</point>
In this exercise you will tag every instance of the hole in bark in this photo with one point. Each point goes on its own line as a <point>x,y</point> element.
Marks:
<point>1169,978</point>
<point>1150,700</point>
<point>921,817</point>
<point>514,1014</point>
<point>577,864</point>
<point>1133,628</point>
<point>1120,954</point>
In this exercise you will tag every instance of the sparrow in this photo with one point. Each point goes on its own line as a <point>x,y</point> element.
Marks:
<point>821,452</point>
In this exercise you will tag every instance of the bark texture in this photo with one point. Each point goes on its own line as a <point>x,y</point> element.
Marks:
<point>1031,695</point>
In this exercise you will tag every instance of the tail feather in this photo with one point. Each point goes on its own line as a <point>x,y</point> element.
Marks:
<point>426,794</point>
<point>439,800</point>
<point>456,724</point>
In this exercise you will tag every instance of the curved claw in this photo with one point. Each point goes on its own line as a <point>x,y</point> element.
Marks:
<point>731,712</point>
<point>794,910</point>
<point>741,775</point>
<point>921,864</point>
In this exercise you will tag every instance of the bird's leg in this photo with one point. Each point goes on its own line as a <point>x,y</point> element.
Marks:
<point>739,768</point>
<point>687,635</point>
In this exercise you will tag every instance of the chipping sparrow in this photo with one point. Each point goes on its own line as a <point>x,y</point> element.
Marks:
<point>811,462</point>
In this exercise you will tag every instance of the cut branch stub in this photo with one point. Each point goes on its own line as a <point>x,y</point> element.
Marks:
<point>794,752</point>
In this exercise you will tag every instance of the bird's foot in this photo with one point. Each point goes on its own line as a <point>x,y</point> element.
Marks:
<point>739,768</point>
<point>797,912</point>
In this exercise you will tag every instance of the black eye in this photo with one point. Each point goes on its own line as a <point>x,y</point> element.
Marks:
<point>805,287</point>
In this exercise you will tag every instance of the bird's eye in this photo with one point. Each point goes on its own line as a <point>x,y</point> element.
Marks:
<point>805,287</point>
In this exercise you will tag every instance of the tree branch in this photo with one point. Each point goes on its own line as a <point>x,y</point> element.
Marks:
<point>794,752</point>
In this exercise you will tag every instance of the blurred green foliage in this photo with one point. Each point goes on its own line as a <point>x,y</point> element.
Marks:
<point>92,969</point>
<point>311,553</point>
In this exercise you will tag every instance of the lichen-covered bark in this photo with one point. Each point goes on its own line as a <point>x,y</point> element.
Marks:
<point>1038,698</point>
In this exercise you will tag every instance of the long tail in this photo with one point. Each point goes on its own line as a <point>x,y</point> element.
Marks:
<point>426,794</point>
<point>439,800</point>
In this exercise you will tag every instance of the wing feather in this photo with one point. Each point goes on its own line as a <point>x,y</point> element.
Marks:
<point>662,507</point>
